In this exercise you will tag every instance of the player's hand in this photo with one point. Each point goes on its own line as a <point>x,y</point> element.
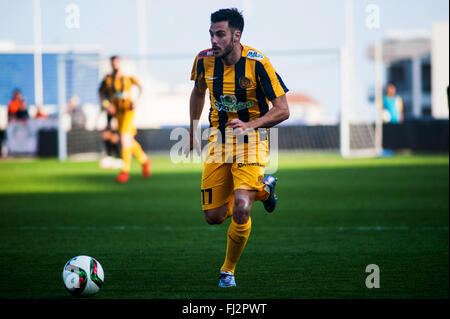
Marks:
<point>111,109</point>
<point>238,126</point>
<point>132,106</point>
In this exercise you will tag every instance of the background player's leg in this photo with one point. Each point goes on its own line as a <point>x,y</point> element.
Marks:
<point>107,160</point>
<point>145,161</point>
<point>127,142</point>
<point>108,147</point>
<point>106,135</point>
<point>117,162</point>
<point>115,145</point>
<point>138,152</point>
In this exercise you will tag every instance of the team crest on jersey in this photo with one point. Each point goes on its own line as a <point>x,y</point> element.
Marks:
<point>255,55</point>
<point>245,82</point>
<point>121,95</point>
<point>228,103</point>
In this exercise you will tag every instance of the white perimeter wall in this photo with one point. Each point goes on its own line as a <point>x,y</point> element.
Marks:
<point>439,71</point>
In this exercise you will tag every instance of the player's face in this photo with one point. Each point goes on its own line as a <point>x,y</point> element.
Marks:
<point>115,64</point>
<point>223,39</point>
<point>391,90</point>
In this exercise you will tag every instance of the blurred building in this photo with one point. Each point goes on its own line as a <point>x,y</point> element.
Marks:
<point>417,64</point>
<point>303,110</point>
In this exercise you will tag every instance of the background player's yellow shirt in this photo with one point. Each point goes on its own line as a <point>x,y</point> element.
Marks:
<point>241,91</point>
<point>118,90</point>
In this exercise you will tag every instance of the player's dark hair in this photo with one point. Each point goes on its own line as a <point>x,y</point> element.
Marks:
<point>114,57</point>
<point>233,16</point>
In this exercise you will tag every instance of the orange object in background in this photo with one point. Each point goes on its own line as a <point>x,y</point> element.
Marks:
<point>14,106</point>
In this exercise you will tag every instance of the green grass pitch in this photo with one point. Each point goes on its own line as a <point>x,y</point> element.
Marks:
<point>334,217</point>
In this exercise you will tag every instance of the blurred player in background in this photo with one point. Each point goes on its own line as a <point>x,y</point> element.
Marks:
<point>110,136</point>
<point>241,83</point>
<point>77,116</point>
<point>115,92</point>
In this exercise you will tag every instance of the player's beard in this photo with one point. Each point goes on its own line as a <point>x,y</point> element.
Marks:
<point>227,50</point>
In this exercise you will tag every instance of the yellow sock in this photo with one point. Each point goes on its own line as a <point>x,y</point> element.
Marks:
<point>237,237</point>
<point>126,157</point>
<point>139,153</point>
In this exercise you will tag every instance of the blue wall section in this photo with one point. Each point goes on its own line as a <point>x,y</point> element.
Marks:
<point>17,71</point>
<point>50,78</point>
<point>82,77</point>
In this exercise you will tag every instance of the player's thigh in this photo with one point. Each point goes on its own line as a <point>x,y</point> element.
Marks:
<point>217,185</point>
<point>127,139</point>
<point>125,123</point>
<point>115,138</point>
<point>106,135</point>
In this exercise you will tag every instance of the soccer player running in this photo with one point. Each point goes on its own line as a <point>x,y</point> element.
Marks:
<point>115,93</point>
<point>241,83</point>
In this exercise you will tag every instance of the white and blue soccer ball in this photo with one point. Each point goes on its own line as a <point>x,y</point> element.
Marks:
<point>83,276</point>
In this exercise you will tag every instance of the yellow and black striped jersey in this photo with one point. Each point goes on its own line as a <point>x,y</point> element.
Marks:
<point>118,90</point>
<point>241,91</point>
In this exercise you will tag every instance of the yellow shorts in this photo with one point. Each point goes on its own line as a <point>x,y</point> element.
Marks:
<point>223,174</point>
<point>125,121</point>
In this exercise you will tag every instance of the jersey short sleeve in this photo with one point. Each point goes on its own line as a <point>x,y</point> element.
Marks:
<point>271,82</point>
<point>135,81</point>
<point>198,74</point>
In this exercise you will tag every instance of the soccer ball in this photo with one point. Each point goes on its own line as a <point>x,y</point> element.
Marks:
<point>83,276</point>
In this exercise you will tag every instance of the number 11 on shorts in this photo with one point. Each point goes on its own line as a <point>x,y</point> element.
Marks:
<point>208,199</point>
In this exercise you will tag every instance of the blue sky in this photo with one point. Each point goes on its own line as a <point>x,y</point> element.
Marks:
<point>181,27</point>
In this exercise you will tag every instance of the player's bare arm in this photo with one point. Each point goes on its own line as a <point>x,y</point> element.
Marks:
<point>106,104</point>
<point>196,103</point>
<point>277,114</point>
<point>134,102</point>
